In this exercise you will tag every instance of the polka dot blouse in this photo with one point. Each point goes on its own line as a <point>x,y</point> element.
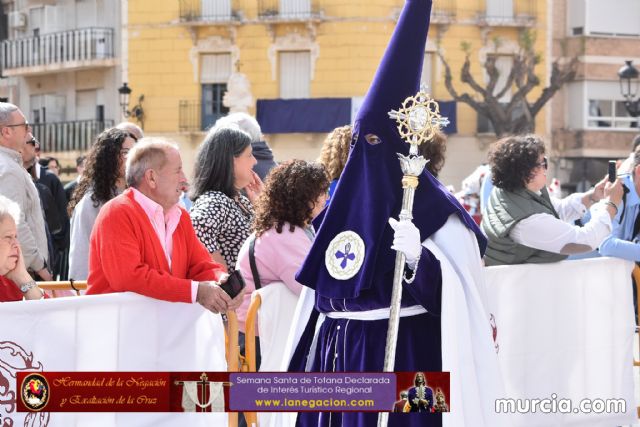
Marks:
<point>222,224</point>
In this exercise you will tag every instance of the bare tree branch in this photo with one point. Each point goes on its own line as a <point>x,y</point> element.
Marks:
<point>518,115</point>
<point>465,98</point>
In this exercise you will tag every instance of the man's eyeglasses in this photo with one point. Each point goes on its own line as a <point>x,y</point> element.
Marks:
<point>26,125</point>
<point>544,163</point>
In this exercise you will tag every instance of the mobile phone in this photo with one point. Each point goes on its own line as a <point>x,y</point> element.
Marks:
<point>612,170</point>
<point>234,284</point>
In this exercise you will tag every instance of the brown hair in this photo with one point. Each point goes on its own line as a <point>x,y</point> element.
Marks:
<point>513,160</point>
<point>433,151</point>
<point>289,195</point>
<point>335,151</point>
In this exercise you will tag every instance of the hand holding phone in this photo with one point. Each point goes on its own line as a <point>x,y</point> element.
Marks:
<point>234,284</point>
<point>612,170</point>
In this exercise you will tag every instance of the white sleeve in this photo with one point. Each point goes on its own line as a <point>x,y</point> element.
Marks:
<point>570,208</point>
<point>546,232</point>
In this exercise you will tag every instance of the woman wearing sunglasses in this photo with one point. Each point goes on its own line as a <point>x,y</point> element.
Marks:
<point>524,224</point>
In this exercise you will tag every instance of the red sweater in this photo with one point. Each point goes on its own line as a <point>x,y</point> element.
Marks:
<point>8,291</point>
<point>126,255</point>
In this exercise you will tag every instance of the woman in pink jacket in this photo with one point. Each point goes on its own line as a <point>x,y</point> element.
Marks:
<point>295,192</point>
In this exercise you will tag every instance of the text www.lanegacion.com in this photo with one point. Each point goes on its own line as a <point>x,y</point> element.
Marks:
<point>314,403</point>
<point>554,405</point>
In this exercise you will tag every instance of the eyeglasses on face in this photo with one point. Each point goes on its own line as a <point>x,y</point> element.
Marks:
<point>544,163</point>
<point>26,125</point>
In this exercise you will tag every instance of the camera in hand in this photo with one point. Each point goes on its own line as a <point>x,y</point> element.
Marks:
<point>234,284</point>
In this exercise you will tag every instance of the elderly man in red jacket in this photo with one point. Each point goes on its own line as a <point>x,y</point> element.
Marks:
<point>143,241</point>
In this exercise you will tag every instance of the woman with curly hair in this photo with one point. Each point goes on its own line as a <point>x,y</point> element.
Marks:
<point>524,224</point>
<point>295,192</point>
<point>102,180</point>
<point>334,154</point>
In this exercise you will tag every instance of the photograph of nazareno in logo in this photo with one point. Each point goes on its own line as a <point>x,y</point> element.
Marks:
<point>34,392</point>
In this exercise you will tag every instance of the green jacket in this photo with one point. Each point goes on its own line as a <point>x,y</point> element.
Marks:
<point>504,210</point>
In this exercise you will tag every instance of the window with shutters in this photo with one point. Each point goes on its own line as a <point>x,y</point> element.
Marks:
<point>500,9</point>
<point>215,70</point>
<point>215,10</point>
<point>295,8</point>
<point>598,17</point>
<point>295,74</point>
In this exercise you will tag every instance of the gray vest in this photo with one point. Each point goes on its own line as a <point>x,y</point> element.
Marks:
<point>504,210</point>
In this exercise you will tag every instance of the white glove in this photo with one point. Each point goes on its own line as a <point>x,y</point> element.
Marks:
<point>406,240</point>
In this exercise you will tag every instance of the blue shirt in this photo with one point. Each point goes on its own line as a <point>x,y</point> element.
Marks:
<point>485,191</point>
<point>621,243</point>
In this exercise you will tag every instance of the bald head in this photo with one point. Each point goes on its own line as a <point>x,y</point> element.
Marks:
<point>149,153</point>
<point>154,168</point>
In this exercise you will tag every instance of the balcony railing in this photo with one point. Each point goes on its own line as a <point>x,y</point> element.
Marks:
<point>288,10</point>
<point>209,11</point>
<point>85,44</point>
<point>192,117</point>
<point>507,12</point>
<point>443,11</point>
<point>69,136</point>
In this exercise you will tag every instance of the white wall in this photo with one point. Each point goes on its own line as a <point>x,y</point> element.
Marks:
<point>604,17</point>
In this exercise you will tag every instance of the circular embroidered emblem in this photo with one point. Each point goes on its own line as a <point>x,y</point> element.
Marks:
<point>35,392</point>
<point>345,255</point>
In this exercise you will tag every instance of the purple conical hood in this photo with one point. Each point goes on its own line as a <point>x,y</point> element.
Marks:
<point>369,190</point>
<point>398,75</point>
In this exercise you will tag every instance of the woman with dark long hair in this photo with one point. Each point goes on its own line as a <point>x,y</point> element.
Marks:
<point>102,180</point>
<point>221,213</point>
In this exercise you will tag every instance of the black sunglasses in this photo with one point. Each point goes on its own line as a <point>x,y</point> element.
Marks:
<point>544,163</point>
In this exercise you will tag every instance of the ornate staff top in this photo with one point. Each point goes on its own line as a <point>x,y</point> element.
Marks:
<point>419,119</point>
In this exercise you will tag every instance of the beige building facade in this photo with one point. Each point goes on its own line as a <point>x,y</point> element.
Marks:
<point>60,64</point>
<point>590,124</point>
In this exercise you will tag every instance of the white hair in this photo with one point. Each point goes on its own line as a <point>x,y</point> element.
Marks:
<point>132,129</point>
<point>242,121</point>
<point>6,110</point>
<point>9,208</point>
<point>147,154</point>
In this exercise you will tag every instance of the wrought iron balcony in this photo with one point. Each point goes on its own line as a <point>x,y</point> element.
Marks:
<point>69,136</point>
<point>209,11</point>
<point>51,52</point>
<point>507,13</point>
<point>444,12</point>
<point>289,10</point>
<point>193,116</point>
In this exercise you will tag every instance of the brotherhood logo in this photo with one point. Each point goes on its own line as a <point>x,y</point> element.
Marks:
<point>34,392</point>
<point>345,255</point>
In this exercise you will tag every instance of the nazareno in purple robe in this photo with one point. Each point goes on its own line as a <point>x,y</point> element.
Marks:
<point>367,194</point>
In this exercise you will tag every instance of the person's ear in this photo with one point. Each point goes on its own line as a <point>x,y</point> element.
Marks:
<point>151,178</point>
